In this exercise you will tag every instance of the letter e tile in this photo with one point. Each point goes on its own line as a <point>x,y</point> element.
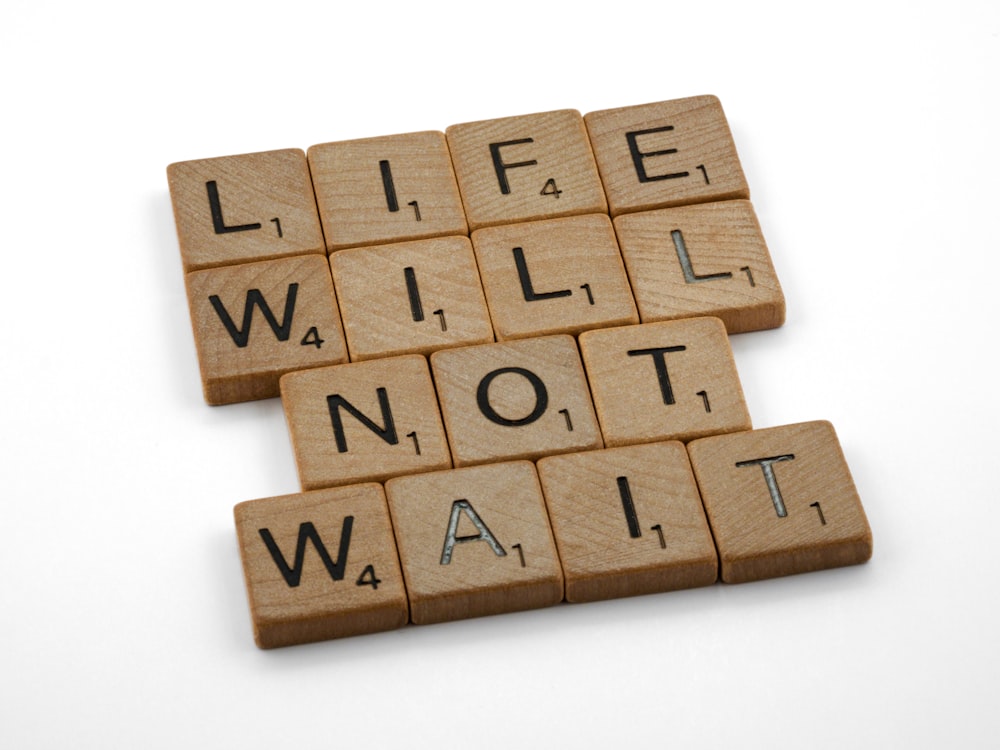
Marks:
<point>780,501</point>
<point>474,541</point>
<point>628,521</point>
<point>320,565</point>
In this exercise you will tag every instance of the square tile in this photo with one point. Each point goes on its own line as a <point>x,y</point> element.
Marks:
<point>666,154</point>
<point>780,501</point>
<point>364,421</point>
<point>513,400</point>
<point>707,259</point>
<point>320,565</point>
<point>664,381</point>
<point>410,297</point>
<point>243,208</point>
<point>474,542</point>
<point>628,521</point>
<point>255,322</point>
<point>554,276</point>
<point>525,168</point>
<point>387,189</point>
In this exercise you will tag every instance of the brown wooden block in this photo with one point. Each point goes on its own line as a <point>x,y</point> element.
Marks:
<point>780,501</point>
<point>708,259</point>
<point>474,542</point>
<point>386,189</point>
<point>525,168</point>
<point>666,154</point>
<point>320,565</point>
<point>237,209</point>
<point>255,322</point>
<point>518,399</point>
<point>664,381</point>
<point>554,276</point>
<point>411,297</point>
<point>364,421</point>
<point>628,521</point>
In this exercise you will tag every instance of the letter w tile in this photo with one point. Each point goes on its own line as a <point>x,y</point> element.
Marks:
<point>308,533</point>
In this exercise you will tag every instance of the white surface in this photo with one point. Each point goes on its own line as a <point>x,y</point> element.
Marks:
<point>868,135</point>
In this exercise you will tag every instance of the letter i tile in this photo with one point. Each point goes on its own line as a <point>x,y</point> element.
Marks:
<point>255,322</point>
<point>628,521</point>
<point>474,541</point>
<point>320,565</point>
<point>780,501</point>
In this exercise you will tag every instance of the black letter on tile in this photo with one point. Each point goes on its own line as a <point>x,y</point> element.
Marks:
<point>416,307</point>
<point>390,188</point>
<point>255,299</point>
<point>661,368</point>
<point>216,207</point>
<point>387,433</point>
<point>308,533</point>
<point>501,168</point>
<point>638,156</point>
<point>629,507</point>
<point>530,295</point>
<point>483,397</point>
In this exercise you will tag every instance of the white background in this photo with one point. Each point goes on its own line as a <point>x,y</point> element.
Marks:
<point>867,132</point>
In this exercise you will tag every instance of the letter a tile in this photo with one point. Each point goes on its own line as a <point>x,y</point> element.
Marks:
<point>320,565</point>
<point>474,542</point>
<point>364,421</point>
<point>664,381</point>
<point>255,322</point>
<point>780,501</point>
<point>628,521</point>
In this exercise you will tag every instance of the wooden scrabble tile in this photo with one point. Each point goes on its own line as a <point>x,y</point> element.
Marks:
<point>780,501</point>
<point>707,259</point>
<point>474,542</point>
<point>410,297</point>
<point>666,154</point>
<point>386,189</point>
<point>664,381</point>
<point>320,565</point>
<point>525,168</point>
<point>364,421</point>
<point>255,322</point>
<point>237,209</point>
<point>628,521</point>
<point>512,400</point>
<point>554,276</point>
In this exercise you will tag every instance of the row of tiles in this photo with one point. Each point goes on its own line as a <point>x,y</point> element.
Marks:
<point>242,208</point>
<point>578,527</point>
<point>516,281</point>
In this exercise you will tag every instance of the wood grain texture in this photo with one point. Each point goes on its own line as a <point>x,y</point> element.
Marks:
<point>513,400</point>
<point>255,322</point>
<point>628,521</point>
<point>364,421</point>
<point>386,189</point>
<point>410,297</point>
<point>243,208</point>
<point>780,501</point>
<point>474,542</point>
<point>666,154</point>
<point>525,168</point>
<point>297,596</point>
<point>554,276</point>
<point>707,259</point>
<point>664,381</point>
